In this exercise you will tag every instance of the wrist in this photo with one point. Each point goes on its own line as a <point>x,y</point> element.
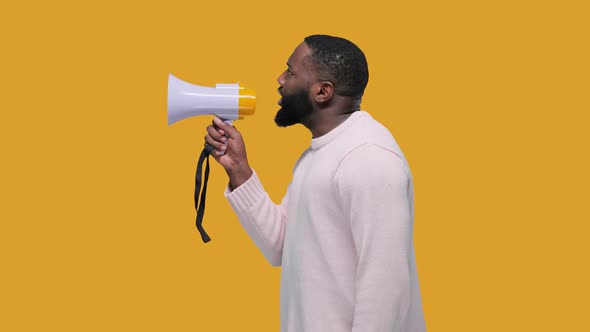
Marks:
<point>238,176</point>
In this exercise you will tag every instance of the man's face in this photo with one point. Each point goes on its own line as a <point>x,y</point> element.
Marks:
<point>294,86</point>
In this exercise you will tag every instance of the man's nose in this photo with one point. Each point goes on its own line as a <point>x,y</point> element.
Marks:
<point>281,79</point>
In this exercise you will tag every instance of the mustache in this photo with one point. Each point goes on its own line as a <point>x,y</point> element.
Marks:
<point>280,90</point>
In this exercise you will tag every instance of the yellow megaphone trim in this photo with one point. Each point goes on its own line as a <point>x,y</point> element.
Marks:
<point>247,101</point>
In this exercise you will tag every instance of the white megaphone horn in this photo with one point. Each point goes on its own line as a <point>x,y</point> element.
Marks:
<point>227,101</point>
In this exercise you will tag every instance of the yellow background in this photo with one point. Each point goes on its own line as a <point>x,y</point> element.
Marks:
<point>488,99</point>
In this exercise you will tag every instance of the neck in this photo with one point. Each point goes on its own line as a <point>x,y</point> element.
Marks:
<point>323,121</point>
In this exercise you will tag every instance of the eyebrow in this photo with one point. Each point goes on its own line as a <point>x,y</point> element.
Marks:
<point>290,67</point>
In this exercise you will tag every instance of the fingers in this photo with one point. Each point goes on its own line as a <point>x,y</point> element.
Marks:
<point>230,130</point>
<point>219,146</point>
<point>216,138</point>
<point>225,138</point>
<point>216,134</point>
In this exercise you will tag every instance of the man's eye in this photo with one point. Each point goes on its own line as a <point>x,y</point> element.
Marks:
<point>288,72</point>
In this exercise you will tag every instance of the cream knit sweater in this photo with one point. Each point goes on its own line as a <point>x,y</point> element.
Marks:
<point>342,234</point>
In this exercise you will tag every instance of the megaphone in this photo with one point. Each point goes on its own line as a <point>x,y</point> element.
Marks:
<point>227,101</point>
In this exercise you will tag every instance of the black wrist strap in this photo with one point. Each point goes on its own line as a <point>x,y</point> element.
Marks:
<point>200,205</point>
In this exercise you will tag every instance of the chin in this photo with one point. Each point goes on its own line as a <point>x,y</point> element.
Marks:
<point>284,118</point>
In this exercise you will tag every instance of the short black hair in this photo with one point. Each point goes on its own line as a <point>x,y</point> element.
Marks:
<point>341,62</point>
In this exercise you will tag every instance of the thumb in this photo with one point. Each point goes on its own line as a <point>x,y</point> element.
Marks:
<point>230,130</point>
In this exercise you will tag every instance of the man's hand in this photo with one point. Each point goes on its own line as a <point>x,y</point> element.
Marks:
<point>234,160</point>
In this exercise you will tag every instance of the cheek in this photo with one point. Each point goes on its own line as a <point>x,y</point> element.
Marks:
<point>290,85</point>
<point>286,88</point>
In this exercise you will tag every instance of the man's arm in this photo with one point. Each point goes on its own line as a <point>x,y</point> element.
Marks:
<point>264,221</point>
<point>373,188</point>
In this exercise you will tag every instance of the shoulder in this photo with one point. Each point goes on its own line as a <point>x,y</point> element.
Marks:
<point>372,164</point>
<point>367,130</point>
<point>373,155</point>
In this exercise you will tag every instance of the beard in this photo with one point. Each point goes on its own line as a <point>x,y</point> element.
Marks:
<point>294,108</point>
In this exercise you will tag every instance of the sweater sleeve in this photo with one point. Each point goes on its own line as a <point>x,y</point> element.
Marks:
<point>373,188</point>
<point>263,220</point>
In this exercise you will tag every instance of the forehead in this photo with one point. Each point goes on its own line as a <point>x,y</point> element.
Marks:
<point>297,58</point>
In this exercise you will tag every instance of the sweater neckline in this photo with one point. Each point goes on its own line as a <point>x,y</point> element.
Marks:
<point>319,142</point>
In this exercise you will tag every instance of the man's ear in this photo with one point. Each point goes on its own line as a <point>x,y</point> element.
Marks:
<point>323,91</point>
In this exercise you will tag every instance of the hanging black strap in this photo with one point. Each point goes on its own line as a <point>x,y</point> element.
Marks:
<point>200,205</point>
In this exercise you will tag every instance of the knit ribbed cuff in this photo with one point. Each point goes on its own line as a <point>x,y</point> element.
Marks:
<point>246,194</point>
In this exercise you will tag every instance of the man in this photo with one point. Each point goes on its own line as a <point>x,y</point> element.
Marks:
<point>343,231</point>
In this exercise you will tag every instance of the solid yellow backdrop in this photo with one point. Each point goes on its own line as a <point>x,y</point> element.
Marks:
<point>488,100</point>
